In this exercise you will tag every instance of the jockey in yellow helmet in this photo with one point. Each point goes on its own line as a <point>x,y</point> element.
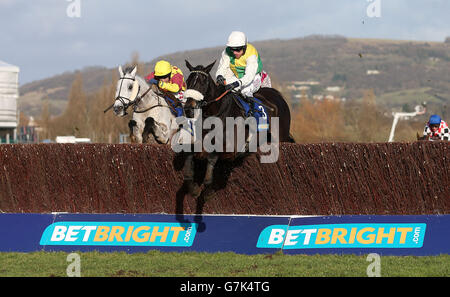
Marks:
<point>168,78</point>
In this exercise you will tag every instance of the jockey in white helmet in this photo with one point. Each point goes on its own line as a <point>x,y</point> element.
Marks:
<point>240,66</point>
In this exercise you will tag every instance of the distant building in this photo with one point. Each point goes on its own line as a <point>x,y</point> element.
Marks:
<point>71,139</point>
<point>9,93</point>
<point>328,97</point>
<point>333,89</point>
<point>373,72</point>
<point>305,83</point>
<point>28,133</point>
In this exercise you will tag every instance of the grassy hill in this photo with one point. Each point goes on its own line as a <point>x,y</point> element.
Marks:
<point>408,72</point>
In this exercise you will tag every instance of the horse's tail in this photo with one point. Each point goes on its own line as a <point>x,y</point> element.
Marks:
<point>291,138</point>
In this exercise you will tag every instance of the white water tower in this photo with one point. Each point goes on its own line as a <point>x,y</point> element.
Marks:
<point>9,92</point>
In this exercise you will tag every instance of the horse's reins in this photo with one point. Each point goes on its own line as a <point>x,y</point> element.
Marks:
<point>154,106</point>
<point>218,98</point>
<point>136,100</point>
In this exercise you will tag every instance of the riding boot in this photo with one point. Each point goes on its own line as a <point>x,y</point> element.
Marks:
<point>179,108</point>
<point>250,106</point>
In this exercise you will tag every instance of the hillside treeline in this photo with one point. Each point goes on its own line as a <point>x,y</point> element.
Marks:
<point>355,121</point>
<point>84,116</point>
<point>409,72</point>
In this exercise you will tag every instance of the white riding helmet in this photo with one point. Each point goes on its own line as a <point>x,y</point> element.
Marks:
<point>237,39</point>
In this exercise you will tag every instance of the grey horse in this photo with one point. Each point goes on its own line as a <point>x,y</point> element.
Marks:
<point>151,113</point>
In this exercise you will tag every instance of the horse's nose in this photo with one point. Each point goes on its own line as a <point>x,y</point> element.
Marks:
<point>189,111</point>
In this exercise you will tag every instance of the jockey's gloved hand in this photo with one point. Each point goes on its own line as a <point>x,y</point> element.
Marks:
<point>153,81</point>
<point>234,85</point>
<point>221,80</point>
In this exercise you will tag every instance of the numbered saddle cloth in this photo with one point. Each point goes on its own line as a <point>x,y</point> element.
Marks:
<point>259,112</point>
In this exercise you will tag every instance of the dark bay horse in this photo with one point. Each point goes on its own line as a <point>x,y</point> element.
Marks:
<point>423,137</point>
<point>427,138</point>
<point>215,101</point>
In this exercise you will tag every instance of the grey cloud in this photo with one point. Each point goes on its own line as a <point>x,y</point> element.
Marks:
<point>43,41</point>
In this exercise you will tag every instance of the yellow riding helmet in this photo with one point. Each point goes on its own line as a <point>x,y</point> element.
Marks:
<point>163,68</point>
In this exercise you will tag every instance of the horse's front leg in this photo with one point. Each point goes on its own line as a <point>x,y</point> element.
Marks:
<point>159,130</point>
<point>208,192</point>
<point>137,133</point>
<point>188,176</point>
<point>131,125</point>
<point>188,168</point>
<point>212,160</point>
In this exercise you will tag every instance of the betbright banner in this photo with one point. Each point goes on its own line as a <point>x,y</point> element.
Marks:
<point>385,235</point>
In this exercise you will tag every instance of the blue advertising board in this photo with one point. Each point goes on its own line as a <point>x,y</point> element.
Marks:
<point>22,232</point>
<point>385,235</point>
<point>141,233</point>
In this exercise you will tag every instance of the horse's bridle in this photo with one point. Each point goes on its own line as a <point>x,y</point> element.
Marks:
<point>139,98</point>
<point>203,103</point>
<point>134,102</point>
<point>122,99</point>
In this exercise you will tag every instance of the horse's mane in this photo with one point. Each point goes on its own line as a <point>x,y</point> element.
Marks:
<point>228,101</point>
<point>128,69</point>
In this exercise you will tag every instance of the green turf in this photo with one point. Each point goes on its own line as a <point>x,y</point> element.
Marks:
<point>155,263</point>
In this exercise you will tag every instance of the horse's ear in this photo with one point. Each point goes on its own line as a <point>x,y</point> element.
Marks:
<point>188,65</point>
<point>209,67</point>
<point>133,72</point>
<point>120,71</point>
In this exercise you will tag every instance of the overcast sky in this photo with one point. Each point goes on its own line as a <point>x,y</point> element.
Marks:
<point>42,39</point>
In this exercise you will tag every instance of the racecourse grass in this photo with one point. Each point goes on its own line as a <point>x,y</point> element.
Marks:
<point>190,264</point>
